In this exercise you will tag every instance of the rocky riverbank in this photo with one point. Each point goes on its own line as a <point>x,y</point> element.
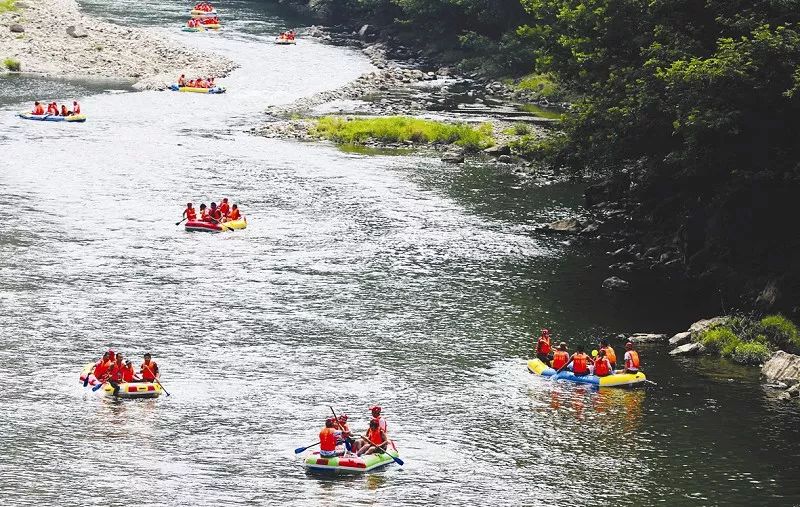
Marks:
<point>53,38</point>
<point>410,87</point>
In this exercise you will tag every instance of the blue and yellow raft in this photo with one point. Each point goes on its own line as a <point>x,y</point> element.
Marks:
<point>537,367</point>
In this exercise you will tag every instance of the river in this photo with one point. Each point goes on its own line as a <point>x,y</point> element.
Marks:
<point>396,280</point>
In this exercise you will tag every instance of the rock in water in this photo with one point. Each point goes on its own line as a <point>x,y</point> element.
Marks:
<point>454,157</point>
<point>680,339</point>
<point>571,225</point>
<point>647,338</point>
<point>17,28</point>
<point>704,325</point>
<point>497,150</point>
<point>782,367</point>
<point>76,31</point>
<point>616,283</point>
<point>688,349</point>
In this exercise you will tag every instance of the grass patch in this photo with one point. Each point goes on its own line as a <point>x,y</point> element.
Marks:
<point>721,339</point>
<point>753,353</point>
<point>541,84</point>
<point>541,112</point>
<point>399,129</point>
<point>12,64</point>
<point>7,5</point>
<point>780,331</point>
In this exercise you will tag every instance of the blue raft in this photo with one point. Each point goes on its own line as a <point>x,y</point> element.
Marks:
<point>537,367</point>
<point>79,118</point>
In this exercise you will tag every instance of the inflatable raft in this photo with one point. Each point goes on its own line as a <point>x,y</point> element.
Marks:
<point>537,367</point>
<point>285,42</point>
<point>79,118</point>
<point>127,390</point>
<point>198,226</point>
<point>349,463</point>
<point>195,29</point>
<point>216,89</point>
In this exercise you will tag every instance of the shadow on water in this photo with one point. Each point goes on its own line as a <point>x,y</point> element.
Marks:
<point>30,87</point>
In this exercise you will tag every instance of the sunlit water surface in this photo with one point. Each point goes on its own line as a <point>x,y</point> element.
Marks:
<point>360,279</point>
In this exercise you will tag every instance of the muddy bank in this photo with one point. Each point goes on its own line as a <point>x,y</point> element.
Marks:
<point>53,38</point>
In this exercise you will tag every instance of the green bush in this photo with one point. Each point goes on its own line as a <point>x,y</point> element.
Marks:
<point>12,64</point>
<point>395,129</point>
<point>540,84</point>
<point>780,331</point>
<point>7,5</point>
<point>521,129</point>
<point>753,353</point>
<point>720,339</point>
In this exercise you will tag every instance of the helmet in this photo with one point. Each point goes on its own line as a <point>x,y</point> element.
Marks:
<point>629,345</point>
<point>343,417</point>
<point>330,419</point>
<point>545,331</point>
<point>375,407</point>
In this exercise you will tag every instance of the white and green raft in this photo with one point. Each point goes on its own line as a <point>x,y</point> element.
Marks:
<point>349,463</point>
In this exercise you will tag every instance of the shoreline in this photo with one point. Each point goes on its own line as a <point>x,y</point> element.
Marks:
<point>83,47</point>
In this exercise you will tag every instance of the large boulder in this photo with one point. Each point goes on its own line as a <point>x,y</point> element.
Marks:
<point>616,283</point>
<point>454,157</point>
<point>688,349</point>
<point>367,32</point>
<point>567,225</point>
<point>647,338</point>
<point>16,28</point>
<point>680,338</point>
<point>782,367</point>
<point>701,326</point>
<point>76,31</point>
<point>498,149</point>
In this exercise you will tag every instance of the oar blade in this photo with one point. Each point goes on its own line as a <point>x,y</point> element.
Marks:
<point>98,386</point>
<point>300,449</point>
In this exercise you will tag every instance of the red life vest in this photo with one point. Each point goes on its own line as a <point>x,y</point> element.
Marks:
<point>149,371</point>
<point>191,214</point>
<point>204,217</point>
<point>374,436</point>
<point>224,208</point>
<point>543,345</point>
<point>76,108</point>
<point>127,374</point>
<point>560,358</point>
<point>215,214</point>
<point>116,372</point>
<point>234,214</point>
<point>632,362</point>
<point>39,110</point>
<point>612,357</point>
<point>602,367</point>
<point>580,363</point>
<point>101,368</point>
<point>327,439</point>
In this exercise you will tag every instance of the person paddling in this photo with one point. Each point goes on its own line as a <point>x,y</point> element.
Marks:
<point>376,440</point>
<point>189,213</point>
<point>182,80</point>
<point>38,109</point>
<point>128,374</point>
<point>116,374</point>
<point>214,214</point>
<point>149,369</point>
<point>580,362</point>
<point>560,356</point>
<point>631,359</point>
<point>328,438</point>
<point>344,430</point>
<point>612,357</point>
<point>234,213</point>
<point>224,208</point>
<point>376,414</point>
<point>204,213</point>
<point>102,366</point>
<point>76,108</point>
<point>543,347</point>
<point>602,365</point>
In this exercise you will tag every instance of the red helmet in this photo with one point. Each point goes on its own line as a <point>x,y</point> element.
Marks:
<point>629,345</point>
<point>375,407</point>
<point>342,417</point>
<point>545,331</point>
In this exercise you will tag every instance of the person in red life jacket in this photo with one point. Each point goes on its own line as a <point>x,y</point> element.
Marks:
<point>182,81</point>
<point>128,374</point>
<point>602,366</point>
<point>376,414</point>
<point>376,440</point>
<point>224,208</point>
<point>328,438</point>
<point>543,347</point>
<point>204,213</point>
<point>64,111</point>
<point>189,213</point>
<point>234,213</point>
<point>580,362</point>
<point>102,366</point>
<point>149,369</point>
<point>343,427</point>
<point>560,356</point>
<point>116,373</point>
<point>605,347</point>
<point>38,109</point>
<point>76,108</point>
<point>631,359</point>
<point>52,108</point>
<point>214,215</point>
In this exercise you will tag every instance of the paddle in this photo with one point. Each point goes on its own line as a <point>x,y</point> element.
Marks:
<point>382,451</point>
<point>157,381</point>
<point>301,449</point>
<point>98,386</point>
<point>86,380</point>
<point>183,220</point>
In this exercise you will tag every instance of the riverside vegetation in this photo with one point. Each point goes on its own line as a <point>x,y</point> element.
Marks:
<point>686,114</point>
<point>751,341</point>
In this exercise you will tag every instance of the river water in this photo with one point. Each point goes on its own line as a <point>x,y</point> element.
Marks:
<point>360,280</point>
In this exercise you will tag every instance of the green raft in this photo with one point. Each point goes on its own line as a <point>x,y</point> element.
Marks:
<point>349,463</point>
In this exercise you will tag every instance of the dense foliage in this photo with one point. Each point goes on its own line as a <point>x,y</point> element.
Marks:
<point>694,107</point>
<point>749,341</point>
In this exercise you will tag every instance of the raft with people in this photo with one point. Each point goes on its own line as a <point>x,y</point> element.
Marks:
<point>213,218</point>
<point>286,38</point>
<point>54,113</point>
<point>79,118</point>
<point>118,379</point>
<point>537,367</point>
<point>203,14</point>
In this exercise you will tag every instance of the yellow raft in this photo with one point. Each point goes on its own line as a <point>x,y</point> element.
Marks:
<point>537,367</point>
<point>126,389</point>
